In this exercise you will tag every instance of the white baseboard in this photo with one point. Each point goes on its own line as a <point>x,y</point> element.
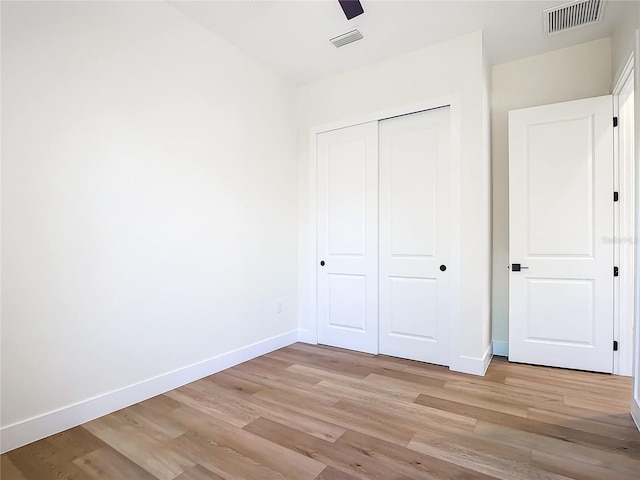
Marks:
<point>501,349</point>
<point>635,412</point>
<point>32,429</point>
<point>308,336</point>
<point>473,365</point>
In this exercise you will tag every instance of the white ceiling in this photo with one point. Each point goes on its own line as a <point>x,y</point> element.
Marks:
<point>292,37</point>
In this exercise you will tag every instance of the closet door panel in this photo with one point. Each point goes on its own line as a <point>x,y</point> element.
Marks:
<point>415,294</point>
<point>348,237</point>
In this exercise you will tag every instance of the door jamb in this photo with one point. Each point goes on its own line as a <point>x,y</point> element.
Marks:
<point>623,238</point>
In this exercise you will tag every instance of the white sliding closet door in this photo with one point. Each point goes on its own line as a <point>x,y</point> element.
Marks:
<point>348,237</point>
<point>416,297</point>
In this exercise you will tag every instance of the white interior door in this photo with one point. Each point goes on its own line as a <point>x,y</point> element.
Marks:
<point>348,237</point>
<point>561,235</point>
<point>416,298</point>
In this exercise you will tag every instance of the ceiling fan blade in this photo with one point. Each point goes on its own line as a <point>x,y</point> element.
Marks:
<point>351,8</point>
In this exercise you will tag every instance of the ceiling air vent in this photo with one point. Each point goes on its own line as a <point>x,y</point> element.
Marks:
<point>572,15</point>
<point>346,38</point>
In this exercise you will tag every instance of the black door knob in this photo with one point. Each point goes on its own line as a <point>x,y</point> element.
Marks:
<point>443,268</point>
<point>322,263</point>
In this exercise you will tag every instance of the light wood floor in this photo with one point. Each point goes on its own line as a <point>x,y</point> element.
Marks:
<point>313,412</point>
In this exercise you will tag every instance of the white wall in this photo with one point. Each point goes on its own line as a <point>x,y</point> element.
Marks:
<point>623,38</point>
<point>453,68</point>
<point>569,74</point>
<point>149,191</point>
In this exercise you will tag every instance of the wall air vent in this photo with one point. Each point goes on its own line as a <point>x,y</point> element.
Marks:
<point>346,38</point>
<point>572,15</point>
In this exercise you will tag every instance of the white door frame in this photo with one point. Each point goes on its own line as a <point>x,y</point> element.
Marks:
<point>624,235</point>
<point>453,102</point>
<point>635,400</point>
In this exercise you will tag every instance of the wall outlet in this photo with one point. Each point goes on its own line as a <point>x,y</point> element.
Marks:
<point>279,307</point>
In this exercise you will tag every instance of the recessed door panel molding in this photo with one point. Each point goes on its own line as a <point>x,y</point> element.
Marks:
<point>413,175</point>
<point>347,197</point>
<point>347,301</point>
<point>414,308</point>
<point>567,302</point>
<point>416,290</point>
<point>348,237</point>
<point>560,158</point>
<point>560,231</point>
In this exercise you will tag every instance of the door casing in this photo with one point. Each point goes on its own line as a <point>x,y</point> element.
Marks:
<point>624,244</point>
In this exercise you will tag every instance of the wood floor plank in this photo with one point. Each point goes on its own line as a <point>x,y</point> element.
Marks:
<point>214,406</point>
<point>156,425</point>
<point>268,372</point>
<point>412,463</point>
<point>357,464</point>
<point>379,362</point>
<point>503,393</point>
<point>331,473</point>
<point>271,362</point>
<point>287,463</point>
<point>576,469</point>
<point>108,464</point>
<point>367,395</point>
<point>444,374</point>
<point>8,470</point>
<point>555,431</point>
<point>309,412</point>
<point>355,383</point>
<point>43,461</point>
<point>616,419</point>
<point>598,403</point>
<point>391,404</point>
<point>572,389</point>
<point>591,425</point>
<point>221,460</point>
<point>412,378</point>
<point>277,412</point>
<point>505,462</point>
<point>408,418</point>
<point>331,364</point>
<point>562,377</point>
<point>150,454</point>
<point>620,461</point>
<point>447,395</point>
<point>199,473</point>
<point>470,410</point>
<point>161,403</point>
<point>74,443</point>
<point>271,383</point>
<point>364,424</point>
<point>236,384</point>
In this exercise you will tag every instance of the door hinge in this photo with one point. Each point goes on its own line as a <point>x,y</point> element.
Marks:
<point>615,121</point>
<point>615,196</point>
<point>615,345</point>
<point>615,271</point>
